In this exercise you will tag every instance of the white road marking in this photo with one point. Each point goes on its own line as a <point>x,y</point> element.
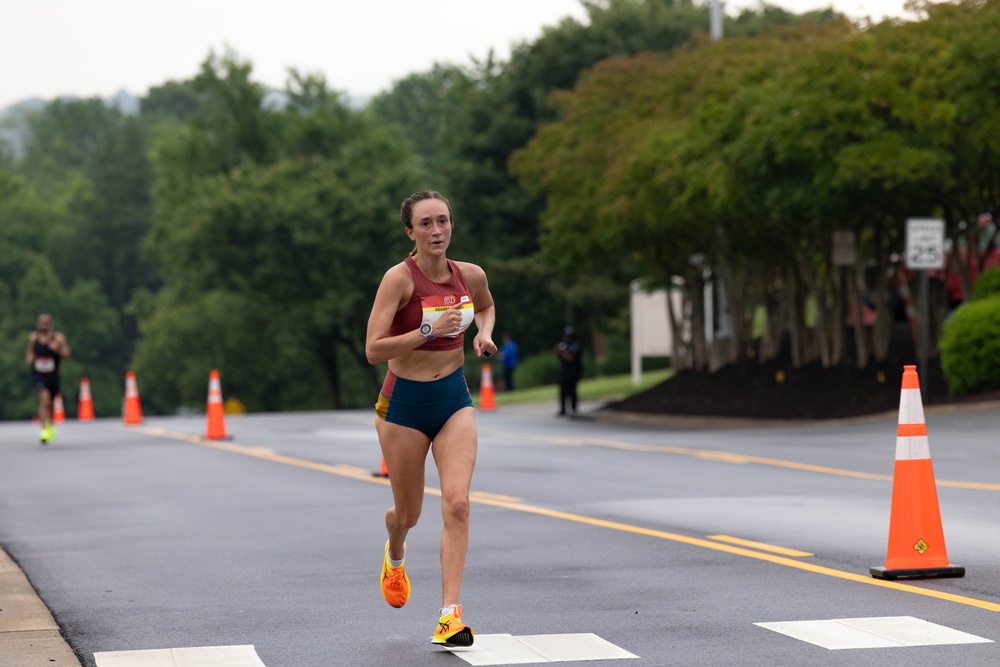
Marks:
<point>199,656</point>
<point>511,650</point>
<point>879,632</point>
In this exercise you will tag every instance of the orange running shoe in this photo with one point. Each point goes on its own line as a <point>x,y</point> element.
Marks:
<point>395,584</point>
<point>451,631</point>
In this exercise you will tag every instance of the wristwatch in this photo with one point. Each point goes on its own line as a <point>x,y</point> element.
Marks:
<point>427,331</point>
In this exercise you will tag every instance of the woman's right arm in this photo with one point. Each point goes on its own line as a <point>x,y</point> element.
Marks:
<point>379,346</point>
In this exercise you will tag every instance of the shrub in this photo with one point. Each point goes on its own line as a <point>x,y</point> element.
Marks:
<point>538,369</point>
<point>987,284</point>
<point>970,347</point>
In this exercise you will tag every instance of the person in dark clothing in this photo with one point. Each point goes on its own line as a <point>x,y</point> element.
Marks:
<point>45,348</point>
<point>571,368</point>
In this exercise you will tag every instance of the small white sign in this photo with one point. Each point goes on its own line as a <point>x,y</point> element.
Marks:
<point>924,243</point>
<point>843,248</point>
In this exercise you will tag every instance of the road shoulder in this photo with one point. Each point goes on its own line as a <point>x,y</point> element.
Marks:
<point>29,636</point>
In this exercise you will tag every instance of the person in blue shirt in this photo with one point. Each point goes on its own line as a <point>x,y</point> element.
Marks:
<point>509,360</point>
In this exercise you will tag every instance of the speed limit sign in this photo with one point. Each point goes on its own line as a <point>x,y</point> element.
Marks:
<point>924,243</point>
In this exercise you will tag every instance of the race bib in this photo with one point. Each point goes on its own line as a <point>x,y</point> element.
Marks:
<point>45,364</point>
<point>434,306</point>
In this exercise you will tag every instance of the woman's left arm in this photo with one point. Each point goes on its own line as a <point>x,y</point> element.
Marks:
<point>483,344</point>
<point>485,317</point>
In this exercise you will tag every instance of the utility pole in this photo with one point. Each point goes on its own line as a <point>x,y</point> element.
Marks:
<point>715,20</point>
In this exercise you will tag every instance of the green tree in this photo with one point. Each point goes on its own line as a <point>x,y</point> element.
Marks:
<point>295,231</point>
<point>91,326</point>
<point>424,107</point>
<point>90,161</point>
<point>172,101</point>
<point>753,151</point>
<point>261,364</point>
<point>23,219</point>
<point>509,104</point>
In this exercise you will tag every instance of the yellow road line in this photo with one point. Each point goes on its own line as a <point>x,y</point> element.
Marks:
<point>482,495</point>
<point>729,457</point>
<point>361,474</point>
<point>793,553</point>
<point>739,551</point>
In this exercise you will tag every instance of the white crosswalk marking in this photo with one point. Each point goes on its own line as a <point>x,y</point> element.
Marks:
<point>878,632</point>
<point>199,656</point>
<point>527,649</point>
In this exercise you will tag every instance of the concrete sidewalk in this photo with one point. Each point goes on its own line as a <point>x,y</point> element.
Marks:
<point>29,636</point>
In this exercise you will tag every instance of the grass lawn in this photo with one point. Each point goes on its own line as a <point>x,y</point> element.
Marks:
<point>612,387</point>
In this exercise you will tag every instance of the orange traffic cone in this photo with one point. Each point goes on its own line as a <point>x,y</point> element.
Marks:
<point>133,408</point>
<point>85,407</point>
<point>487,399</point>
<point>58,410</point>
<point>916,540</point>
<point>382,471</point>
<point>216,429</point>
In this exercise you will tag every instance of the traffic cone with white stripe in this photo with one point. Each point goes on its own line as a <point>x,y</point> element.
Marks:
<point>215,410</point>
<point>916,539</point>
<point>133,406</point>
<point>85,407</point>
<point>487,397</point>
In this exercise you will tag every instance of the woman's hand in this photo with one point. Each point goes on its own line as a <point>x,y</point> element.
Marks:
<point>449,323</point>
<point>483,345</point>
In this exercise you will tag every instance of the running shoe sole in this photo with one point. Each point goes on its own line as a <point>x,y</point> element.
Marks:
<point>462,634</point>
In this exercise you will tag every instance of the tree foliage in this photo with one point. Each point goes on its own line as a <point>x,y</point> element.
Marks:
<point>509,104</point>
<point>292,227</point>
<point>753,151</point>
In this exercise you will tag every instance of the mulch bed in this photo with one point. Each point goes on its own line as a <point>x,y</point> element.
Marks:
<point>775,390</point>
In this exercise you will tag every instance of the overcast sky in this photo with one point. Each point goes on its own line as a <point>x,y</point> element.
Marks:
<point>85,48</point>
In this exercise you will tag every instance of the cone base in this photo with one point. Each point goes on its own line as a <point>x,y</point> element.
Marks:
<point>918,573</point>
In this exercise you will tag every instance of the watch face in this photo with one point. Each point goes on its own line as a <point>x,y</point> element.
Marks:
<point>426,329</point>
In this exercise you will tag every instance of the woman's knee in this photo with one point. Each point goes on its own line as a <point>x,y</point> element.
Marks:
<point>456,510</point>
<point>406,518</point>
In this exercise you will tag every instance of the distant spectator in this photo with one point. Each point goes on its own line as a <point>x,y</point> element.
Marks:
<point>509,359</point>
<point>571,368</point>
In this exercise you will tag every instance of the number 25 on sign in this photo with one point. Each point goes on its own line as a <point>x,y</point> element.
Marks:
<point>924,243</point>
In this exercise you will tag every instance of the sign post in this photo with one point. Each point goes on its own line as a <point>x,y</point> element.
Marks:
<point>843,255</point>
<point>924,252</point>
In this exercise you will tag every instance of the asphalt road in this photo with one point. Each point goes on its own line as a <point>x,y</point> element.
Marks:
<point>150,537</point>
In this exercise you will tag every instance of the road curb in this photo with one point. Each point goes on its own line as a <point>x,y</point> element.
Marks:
<point>29,636</point>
